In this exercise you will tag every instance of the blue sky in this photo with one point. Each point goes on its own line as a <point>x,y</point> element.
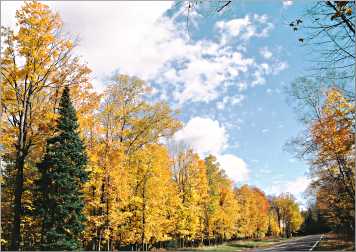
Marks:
<point>227,77</point>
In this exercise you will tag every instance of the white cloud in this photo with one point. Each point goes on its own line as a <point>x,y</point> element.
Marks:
<point>220,105</point>
<point>259,79</point>
<point>266,53</point>
<point>111,34</point>
<point>287,3</point>
<point>207,136</point>
<point>298,185</point>
<point>264,131</point>
<point>279,66</point>
<point>262,70</point>
<point>8,10</point>
<point>205,70</point>
<point>238,99</point>
<point>242,86</point>
<point>151,47</point>
<point>230,100</point>
<point>234,167</point>
<point>204,135</point>
<point>265,171</point>
<point>295,187</point>
<point>236,26</point>
<point>245,28</point>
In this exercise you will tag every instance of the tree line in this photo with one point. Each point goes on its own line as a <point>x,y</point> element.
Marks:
<point>88,170</point>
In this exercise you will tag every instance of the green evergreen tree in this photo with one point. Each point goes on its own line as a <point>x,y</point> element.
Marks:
<point>60,199</point>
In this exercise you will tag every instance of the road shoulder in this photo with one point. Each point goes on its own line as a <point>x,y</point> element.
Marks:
<point>332,242</point>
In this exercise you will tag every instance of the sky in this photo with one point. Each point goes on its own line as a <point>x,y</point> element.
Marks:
<point>225,72</point>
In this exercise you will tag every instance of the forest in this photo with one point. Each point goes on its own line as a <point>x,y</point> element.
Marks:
<point>82,169</point>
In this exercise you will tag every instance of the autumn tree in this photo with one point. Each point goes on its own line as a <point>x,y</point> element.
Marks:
<point>288,214</point>
<point>333,166</point>
<point>254,204</point>
<point>327,144</point>
<point>212,205</point>
<point>334,138</point>
<point>189,174</point>
<point>126,123</point>
<point>37,62</point>
<point>107,185</point>
<point>154,197</point>
<point>221,210</point>
<point>273,223</point>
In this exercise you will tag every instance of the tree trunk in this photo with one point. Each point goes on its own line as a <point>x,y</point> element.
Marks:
<point>99,241</point>
<point>143,213</point>
<point>15,236</point>
<point>21,153</point>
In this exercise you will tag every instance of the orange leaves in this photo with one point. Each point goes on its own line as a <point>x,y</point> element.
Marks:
<point>254,221</point>
<point>333,132</point>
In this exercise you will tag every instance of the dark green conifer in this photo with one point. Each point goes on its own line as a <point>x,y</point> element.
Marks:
<point>60,200</point>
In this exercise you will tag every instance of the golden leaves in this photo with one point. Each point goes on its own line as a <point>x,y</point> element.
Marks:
<point>255,220</point>
<point>333,132</point>
<point>333,137</point>
<point>36,65</point>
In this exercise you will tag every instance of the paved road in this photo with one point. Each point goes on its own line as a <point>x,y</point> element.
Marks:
<point>305,243</point>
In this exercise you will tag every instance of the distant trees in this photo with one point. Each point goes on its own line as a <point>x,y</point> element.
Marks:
<point>314,221</point>
<point>222,208</point>
<point>254,222</point>
<point>288,214</point>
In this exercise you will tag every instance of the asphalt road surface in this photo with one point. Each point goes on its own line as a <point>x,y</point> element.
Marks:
<point>305,243</point>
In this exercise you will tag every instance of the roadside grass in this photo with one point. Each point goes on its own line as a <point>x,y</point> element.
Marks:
<point>333,242</point>
<point>238,245</point>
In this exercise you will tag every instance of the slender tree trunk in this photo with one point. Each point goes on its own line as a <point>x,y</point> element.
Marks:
<point>15,236</point>
<point>119,245</point>
<point>143,226</point>
<point>21,153</point>
<point>94,244</point>
<point>143,212</point>
<point>99,241</point>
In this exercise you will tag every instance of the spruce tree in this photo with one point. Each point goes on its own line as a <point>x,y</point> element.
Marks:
<point>62,174</point>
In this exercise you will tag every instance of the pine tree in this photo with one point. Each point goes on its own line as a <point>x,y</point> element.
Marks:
<point>59,191</point>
